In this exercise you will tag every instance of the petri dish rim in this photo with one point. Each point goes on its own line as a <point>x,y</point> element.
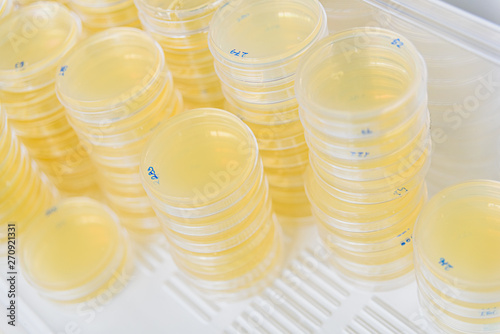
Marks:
<point>316,32</point>
<point>417,84</point>
<point>33,70</point>
<point>186,120</point>
<point>119,34</point>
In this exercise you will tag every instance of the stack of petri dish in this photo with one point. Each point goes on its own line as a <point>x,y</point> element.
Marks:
<point>203,174</point>
<point>363,104</point>
<point>76,250</point>
<point>117,89</point>
<point>6,6</point>
<point>98,15</point>
<point>457,258</point>
<point>257,46</point>
<point>25,192</point>
<point>181,28</point>
<point>463,103</point>
<point>348,14</point>
<point>27,74</point>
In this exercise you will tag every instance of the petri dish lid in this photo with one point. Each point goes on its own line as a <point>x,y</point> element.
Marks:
<point>72,248</point>
<point>113,68</point>
<point>360,74</point>
<point>180,16</point>
<point>32,41</point>
<point>256,32</point>
<point>457,236</point>
<point>200,158</point>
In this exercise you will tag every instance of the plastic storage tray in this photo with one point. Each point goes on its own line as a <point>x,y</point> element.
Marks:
<point>308,297</point>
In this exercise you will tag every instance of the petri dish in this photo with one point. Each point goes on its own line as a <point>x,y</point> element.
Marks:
<point>30,65</point>
<point>280,32</point>
<point>364,73</point>
<point>75,248</point>
<point>85,89</point>
<point>201,159</point>
<point>457,236</point>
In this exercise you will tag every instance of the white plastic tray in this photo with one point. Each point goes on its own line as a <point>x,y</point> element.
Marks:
<point>307,298</point>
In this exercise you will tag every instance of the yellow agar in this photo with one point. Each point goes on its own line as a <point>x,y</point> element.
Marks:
<point>466,234</point>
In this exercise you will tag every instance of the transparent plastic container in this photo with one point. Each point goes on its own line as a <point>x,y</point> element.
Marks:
<point>348,14</point>
<point>117,90</point>
<point>25,192</point>
<point>204,176</point>
<point>257,71</point>
<point>100,15</point>
<point>27,73</point>
<point>463,67</point>
<point>369,149</point>
<point>75,250</point>
<point>181,28</point>
<point>457,240</point>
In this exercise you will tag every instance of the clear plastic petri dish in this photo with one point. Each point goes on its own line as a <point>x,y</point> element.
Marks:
<point>31,104</point>
<point>28,66</point>
<point>280,32</point>
<point>221,221</point>
<point>240,257</point>
<point>457,238</point>
<point>382,185</point>
<point>373,148</point>
<point>251,282</point>
<point>381,276</point>
<point>200,162</point>
<point>99,16</point>
<point>90,95</point>
<point>390,237</point>
<point>355,223</point>
<point>393,77</point>
<point>75,249</point>
<point>397,165</point>
<point>226,239</point>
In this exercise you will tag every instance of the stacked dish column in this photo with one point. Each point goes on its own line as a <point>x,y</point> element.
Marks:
<point>27,74</point>
<point>257,46</point>
<point>363,104</point>
<point>181,28</point>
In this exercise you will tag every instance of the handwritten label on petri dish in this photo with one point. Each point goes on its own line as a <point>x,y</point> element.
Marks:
<point>19,65</point>
<point>63,70</point>
<point>400,191</point>
<point>397,42</point>
<point>360,154</point>
<point>238,53</point>
<point>152,174</point>
<point>366,131</point>
<point>489,312</point>
<point>242,17</point>
<point>445,264</point>
<point>50,211</point>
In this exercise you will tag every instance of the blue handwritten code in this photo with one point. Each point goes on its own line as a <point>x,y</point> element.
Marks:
<point>400,234</point>
<point>238,53</point>
<point>400,191</point>
<point>63,70</point>
<point>360,154</point>
<point>51,210</point>
<point>152,173</point>
<point>19,65</point>
<point>406,241</point>
<point>445,264</point>
<point>242,17</point>
<point>366,131</point>
<point>397,42</point>
<point>488,312</point>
